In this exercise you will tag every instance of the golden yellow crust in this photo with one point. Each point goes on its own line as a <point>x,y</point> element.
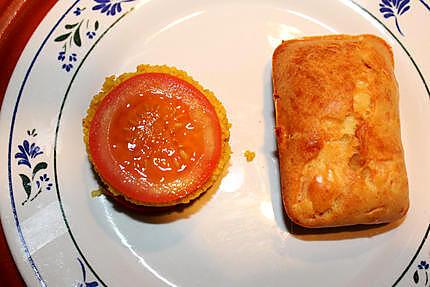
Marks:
<point>112,81</point>
<point>338,131</point>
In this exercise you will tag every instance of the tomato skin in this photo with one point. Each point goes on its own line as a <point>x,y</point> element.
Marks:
<point>144,151</point>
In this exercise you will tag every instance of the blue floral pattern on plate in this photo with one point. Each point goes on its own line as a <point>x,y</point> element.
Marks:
<point>71,38</point>
<point>32,183</point>
<point>394,8</point>
<point>84,282</point>
<point>423,269</point>
<point>110,7</point>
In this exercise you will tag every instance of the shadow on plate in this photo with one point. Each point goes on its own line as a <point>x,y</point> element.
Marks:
<point>338,233</point>
<point>160,215</point>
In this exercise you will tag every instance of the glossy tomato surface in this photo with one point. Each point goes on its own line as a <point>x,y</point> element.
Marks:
<point>155,138</point>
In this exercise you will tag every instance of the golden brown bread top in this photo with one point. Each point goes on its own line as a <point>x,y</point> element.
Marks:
<point>338,131</point>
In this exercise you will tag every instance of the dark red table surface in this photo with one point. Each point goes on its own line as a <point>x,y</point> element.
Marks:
<point>18,19</point>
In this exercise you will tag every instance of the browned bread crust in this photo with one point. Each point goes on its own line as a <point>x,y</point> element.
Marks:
<point>338,131</point>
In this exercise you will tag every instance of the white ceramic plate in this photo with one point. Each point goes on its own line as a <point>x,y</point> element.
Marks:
<point>239,235</point>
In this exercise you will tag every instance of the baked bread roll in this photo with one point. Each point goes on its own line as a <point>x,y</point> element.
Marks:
<point>338,131</point>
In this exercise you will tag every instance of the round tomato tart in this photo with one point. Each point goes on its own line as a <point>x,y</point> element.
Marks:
<point>156,137</point>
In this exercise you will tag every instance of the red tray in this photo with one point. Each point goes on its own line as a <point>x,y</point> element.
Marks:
<point>18,20</point>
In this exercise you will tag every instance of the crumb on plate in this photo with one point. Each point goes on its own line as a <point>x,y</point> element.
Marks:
<point>96,193</point>
<point>249,155</point>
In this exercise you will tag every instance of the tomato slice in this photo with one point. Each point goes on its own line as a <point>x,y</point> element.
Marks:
<point>156,139</point>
